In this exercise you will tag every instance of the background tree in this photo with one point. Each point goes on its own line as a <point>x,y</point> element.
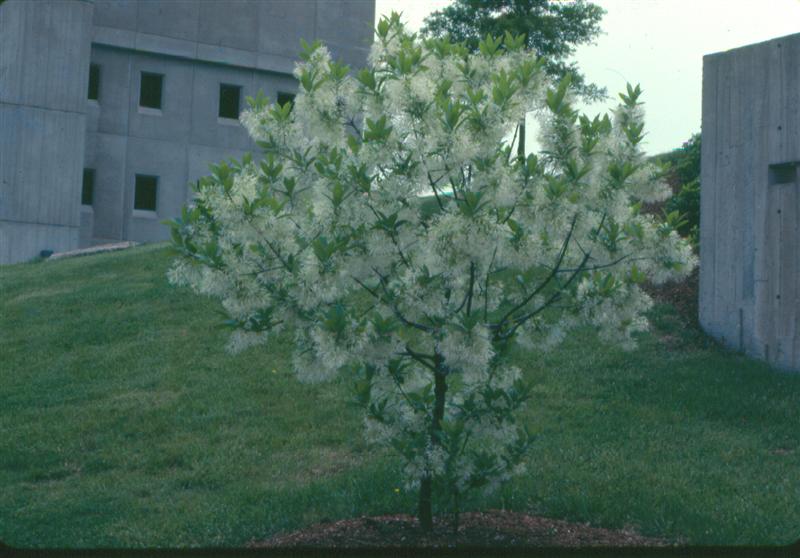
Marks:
<point>681,170</point>
<point>326,236</point>
<point>552,30</point>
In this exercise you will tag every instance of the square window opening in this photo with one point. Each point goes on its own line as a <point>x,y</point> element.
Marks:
<point>87,189</point>
<point>145,193</point>
<point>229,98</point>
<point>150,90</point>
<point>783,173</point>
<point>94,82</point>
<point>284,98</point>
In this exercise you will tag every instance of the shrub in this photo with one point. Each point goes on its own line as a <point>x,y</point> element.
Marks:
<point>325,237</point>
<point>682,172</point>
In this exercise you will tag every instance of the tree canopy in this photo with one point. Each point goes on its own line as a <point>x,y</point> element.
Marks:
<point>552,29</point>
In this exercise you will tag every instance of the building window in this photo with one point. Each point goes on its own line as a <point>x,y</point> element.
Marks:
<point>783,173</point>
<point>284,98</point>
<point>87,190</point>
<point>150,90</point>
<point>94,82</point>
<point>145,194</point>
<point>229,96</point>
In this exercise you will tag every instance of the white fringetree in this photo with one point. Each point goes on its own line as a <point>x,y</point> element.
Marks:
<point>392,230</point>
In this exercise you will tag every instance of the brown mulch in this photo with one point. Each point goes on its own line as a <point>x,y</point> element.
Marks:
<point>491,529</point>
<point>680,294</point>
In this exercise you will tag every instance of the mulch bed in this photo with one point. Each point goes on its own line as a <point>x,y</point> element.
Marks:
<point>491,529</point>
<point>680,294</point>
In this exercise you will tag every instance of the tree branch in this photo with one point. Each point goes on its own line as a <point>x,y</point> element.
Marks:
<point>471,286</point>
<point>555,297</point>
<point>499,325</point>
<point>486,286</point>
<point>391,306</point>
<point>421,358</point>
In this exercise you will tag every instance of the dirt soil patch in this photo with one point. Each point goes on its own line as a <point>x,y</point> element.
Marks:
<point>681,294</point>
<point>491,529</point>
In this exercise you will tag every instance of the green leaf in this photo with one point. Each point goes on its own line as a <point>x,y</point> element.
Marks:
<point>555,97</point>
<point>383,28</point>
<point>490,46</point>
<point>366,77</point>
<point>338,71</point>
<point>635,276</point>
<point>631,99</point>
<point>513,42</point>
<point>377,130</point>
<point>308,49</point>
<point>354,144</point>
<point>259,102</point>
<point>335,320</point>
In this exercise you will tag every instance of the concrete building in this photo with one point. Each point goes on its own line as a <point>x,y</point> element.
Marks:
<point>750,200</point>
<point>109,108</point>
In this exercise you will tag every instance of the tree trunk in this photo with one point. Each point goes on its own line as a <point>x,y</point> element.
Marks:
<point>425,512</point>
<point>521,144</point>
<point>426,484</point>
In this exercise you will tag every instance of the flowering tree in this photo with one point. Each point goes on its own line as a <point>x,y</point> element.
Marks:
<point>421,299</point>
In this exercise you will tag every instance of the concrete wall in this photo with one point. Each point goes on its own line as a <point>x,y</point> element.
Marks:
<point>196,46</point>
<point>256,34</point>
<point>750,200</point>
<point>44,66</point>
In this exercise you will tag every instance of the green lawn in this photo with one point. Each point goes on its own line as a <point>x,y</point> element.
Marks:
<point>123,423</point>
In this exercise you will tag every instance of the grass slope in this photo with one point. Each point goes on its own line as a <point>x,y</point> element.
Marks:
<point>123,423</point>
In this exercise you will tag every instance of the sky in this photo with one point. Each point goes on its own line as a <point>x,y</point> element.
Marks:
<point>659,44</point>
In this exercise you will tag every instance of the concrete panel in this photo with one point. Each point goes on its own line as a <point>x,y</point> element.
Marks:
<point>345,22</point>
<point>275,63</point>
<point>22,242</point>
<point>92,116</point>
<point>108,158</point>
<point>282,23</point>
<point>174,18</point>
<point>271,84</point>
<point>776,116</point>
<point>87,211</point>
<point>227,55</point>
<point>791,98</point>
<point>232,24</point>
<point>120,14</point>
<point>708,192</point>
<point>249,33</point>
<point>172,122</point>
<point>353,57</point>
<point>167,161</point>
<point>86,231</point>
<point>41,155</point>
<point>111,36</point>
<point>44,47</point>
<point>201,156</point>
<point>116,90</point>
<point>170,46</point>
<point>207,128</point>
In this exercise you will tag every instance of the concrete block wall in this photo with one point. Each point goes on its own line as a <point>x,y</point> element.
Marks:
<point>750,200</point>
